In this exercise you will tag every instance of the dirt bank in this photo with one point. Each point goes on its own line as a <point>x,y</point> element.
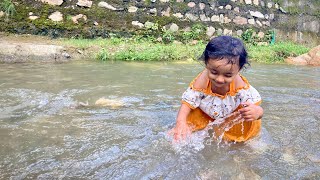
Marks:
<point>31,48</point>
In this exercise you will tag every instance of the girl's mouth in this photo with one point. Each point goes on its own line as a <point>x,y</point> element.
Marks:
<point>218,83</point>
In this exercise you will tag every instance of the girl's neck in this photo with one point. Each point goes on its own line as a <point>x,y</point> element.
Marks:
<point>220,90</point>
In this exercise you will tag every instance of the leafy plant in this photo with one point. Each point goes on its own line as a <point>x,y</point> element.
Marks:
<point>248,37</point>
<point>167,36</point>
<point>136,49</point>
<point>8,7</point>
<point>196,33</point>
<point>198,29</point>
<point>187,36</point>
<point>276,53</point>
<point>116,41</point>
<point>103,55</point>
<point>150,31</point>
<point>270,37</point>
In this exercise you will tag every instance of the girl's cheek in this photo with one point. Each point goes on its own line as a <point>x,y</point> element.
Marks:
<point>211,76</point>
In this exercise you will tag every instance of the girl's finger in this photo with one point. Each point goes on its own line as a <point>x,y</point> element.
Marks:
<point>187,133</point>
<point>243,110</point>
<point>249,118</point>
<point>170,132</point>
<point>184,135</point>
<point>176,136</point>
<point>245,114</point>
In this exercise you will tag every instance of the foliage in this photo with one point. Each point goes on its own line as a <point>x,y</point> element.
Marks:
<point>252,38</point>
<point>198,30</point>
<point>141,49</point>
<point>293,10</point>
<point>151,30</point>
<point>196,33</point>
<point>270,37</point>
<point>248,37</point>
<point>8,7</point>
<point>167,36</point>
<point>131,50</point>
<point>103,55</point>
<point>275,53</point>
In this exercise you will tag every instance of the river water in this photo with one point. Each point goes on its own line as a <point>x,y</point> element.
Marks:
<point>45,134</point>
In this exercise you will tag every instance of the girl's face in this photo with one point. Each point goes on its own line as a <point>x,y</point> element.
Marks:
<point>221,73</point>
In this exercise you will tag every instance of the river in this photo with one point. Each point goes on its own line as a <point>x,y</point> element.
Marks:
<point>45,134</point>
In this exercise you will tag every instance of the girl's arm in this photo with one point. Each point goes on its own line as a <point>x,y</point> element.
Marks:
<point>182,130</point>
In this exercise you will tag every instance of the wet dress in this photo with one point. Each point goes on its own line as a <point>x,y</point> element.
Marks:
<point>207,106</point>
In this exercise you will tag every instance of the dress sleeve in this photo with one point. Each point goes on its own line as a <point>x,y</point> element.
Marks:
<point>192,98</point>
<point>250,95</point>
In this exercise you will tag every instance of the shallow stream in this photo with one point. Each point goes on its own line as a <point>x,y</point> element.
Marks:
<point>46,134</point>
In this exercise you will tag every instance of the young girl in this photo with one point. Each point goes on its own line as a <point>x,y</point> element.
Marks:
<point>220,93</point>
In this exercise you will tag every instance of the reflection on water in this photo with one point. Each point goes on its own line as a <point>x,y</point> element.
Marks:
<point>45,134</point>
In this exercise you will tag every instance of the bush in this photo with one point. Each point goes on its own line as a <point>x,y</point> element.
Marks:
<point>276,53</point>
<point>137,49</point>
<point>103,55</point>
<point>167,36</point>
<point>8,7</point>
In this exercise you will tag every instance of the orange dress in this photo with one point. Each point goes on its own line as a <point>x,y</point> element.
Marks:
<point>207,106</point>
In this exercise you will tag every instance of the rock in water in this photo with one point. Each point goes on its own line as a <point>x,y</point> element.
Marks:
<point>109,102</point>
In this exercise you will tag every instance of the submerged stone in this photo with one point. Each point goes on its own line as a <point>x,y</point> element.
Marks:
<point>109,102</point>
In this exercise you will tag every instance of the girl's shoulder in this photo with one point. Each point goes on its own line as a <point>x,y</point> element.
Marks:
<point>240,82</point>
<point>239,85</point>
<point>200,83</point>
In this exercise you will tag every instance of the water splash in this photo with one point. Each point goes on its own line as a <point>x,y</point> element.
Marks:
<point>211,135</point>
<point>192,144</point>
<point>222,125</point>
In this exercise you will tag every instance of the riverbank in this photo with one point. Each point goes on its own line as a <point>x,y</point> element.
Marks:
<point>31,48</point>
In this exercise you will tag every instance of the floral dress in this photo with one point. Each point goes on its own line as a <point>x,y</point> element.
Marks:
<point>208,106</point>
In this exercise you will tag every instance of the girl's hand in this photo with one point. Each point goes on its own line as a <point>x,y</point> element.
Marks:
<point>181,131</point>
<point>251,112</point>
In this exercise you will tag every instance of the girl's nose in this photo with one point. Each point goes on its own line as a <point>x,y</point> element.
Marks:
<point>220,79</point>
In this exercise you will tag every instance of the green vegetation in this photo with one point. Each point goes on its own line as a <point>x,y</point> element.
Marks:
<point>8,7</point>
<point>252,38</point>
<point>275,53</point>
<point>138,49</point>
<point>197,32</point>
<point>141,49</point>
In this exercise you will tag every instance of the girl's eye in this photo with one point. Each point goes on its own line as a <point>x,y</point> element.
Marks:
<point>228,75</point>
<point>213,72</point>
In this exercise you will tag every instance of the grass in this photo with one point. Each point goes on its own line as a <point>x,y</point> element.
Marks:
<point>124,49</point>
<point>86,43</point>
<point>276,53</point>
<point>137,49</point>
<point>8,7</point>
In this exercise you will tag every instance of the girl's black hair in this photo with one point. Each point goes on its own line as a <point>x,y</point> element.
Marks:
<point>226,47</point>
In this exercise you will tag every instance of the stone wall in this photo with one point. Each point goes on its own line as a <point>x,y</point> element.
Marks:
<point>297,20</point>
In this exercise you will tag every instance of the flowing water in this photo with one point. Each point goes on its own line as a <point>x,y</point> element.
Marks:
<point>45,134</point>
